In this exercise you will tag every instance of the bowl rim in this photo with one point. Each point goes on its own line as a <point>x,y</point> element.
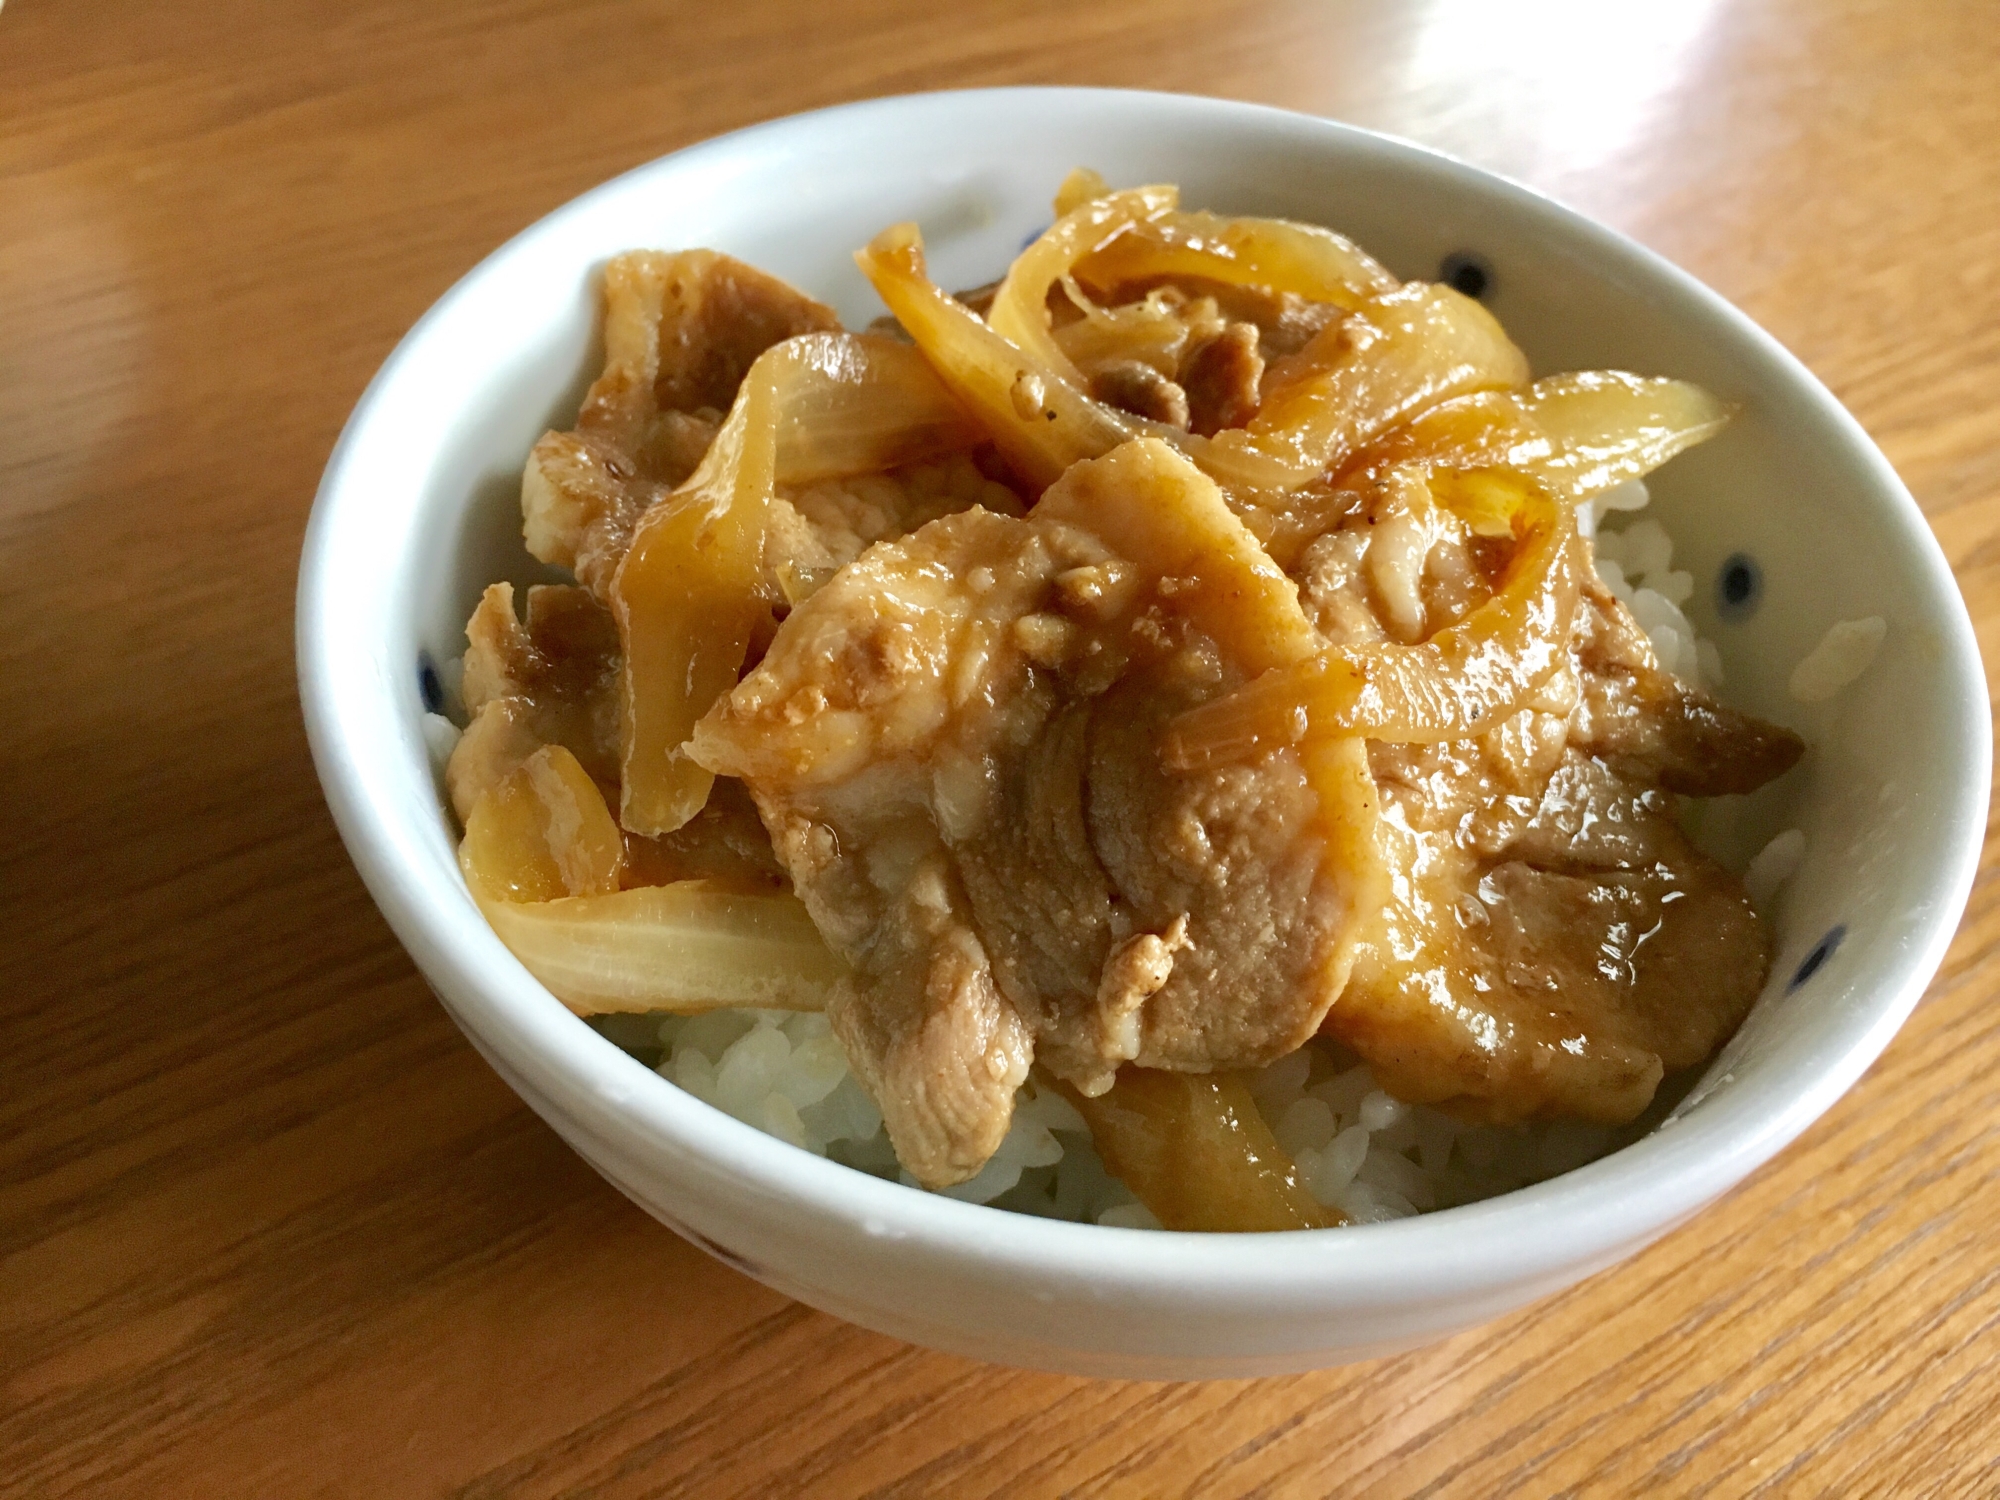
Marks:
<point>614,1096</point>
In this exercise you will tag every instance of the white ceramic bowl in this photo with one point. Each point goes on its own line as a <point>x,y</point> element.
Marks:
<point>419,509</point>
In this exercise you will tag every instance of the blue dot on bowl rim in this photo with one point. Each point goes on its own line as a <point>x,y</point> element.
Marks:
<point>1467,272</point>
<point>1739,587</point>
<point>429,688</point>
<point>1814,961</point>
<point>1035,235</point>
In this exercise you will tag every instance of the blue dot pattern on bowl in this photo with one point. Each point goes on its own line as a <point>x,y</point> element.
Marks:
<point>1035,235</point>
<point>428,686</point>
<point>1739,587</point>
<point>1814,961</point>
<point>1463,271</point>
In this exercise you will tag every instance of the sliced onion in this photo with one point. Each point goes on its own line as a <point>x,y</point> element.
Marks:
<point>1393,357</point>
<point>857,404</point>
<point>1275,254</point>
<point>1020,311</point>
<point>1079,188</point>
<point>1193,1148</point>
<point>1608,426</point>
<point>687,596</point>
<point>1396,355</point>
<point>1040,420</point>
<point>1461,682</point>
<point>540,831</point>
<point>686,947</point>
<point>1578,433</point>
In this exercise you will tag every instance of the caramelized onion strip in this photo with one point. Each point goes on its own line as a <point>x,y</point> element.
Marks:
<point>1193,1148</point>
<point>1396,355</point>
<point>686,947</point>
<point>1392,358</point>
<point>1039,419</point>
<point>687,595</point>
<point>542,858</point>
<point>1274,254</point>
<point>1020,311</point>
<point>543,861</point>
<point>1461,682</point>
<point>541,831</point>
<point>1077,189</point>
<point>1578,434</point>
<point>1608,426</point>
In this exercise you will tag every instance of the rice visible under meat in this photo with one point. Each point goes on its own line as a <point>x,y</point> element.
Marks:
<point>1636,564</point>
<point>440,737</point>
<point>1358,1149</point>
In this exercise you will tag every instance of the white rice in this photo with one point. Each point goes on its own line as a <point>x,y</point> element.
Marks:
<point>1632,494</point>
<point>1373,1157</point>
<point>440,738</point>
<point>1773,865</point>
<point>1636,564</point>
<point>1843,654</point>
<point>1358,1150</point>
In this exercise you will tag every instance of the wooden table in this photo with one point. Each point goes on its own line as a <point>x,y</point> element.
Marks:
<point>269,1227</point>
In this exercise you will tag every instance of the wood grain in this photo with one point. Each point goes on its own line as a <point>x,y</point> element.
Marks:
<point>268,1227</point>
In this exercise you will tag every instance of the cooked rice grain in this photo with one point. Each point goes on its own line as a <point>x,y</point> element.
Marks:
<point>1772,866</point>
<point>1636,564</point>
<point>1358,1149</point>
<point>1843,654</point>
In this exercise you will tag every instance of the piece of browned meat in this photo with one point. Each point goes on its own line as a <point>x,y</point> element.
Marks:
<point>724,844</point>
<point>1555,943</point>
<point>815,530</point>
<point>1135,386</point>
<point>1285,322</point>
<point>551,680</point>
<point>1655,731</point>
<point>955,743</point>
<point>680,330</point>
<point>1222,374</point>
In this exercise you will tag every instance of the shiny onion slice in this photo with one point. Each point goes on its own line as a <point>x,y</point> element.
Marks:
<point>1276,255</point>
<point>1020,311</point>
<point>1152,332</point>
<point>1077,189</point>
<point>1461,682</point>
<point>1040,421</point>
<point>686,947</point>
<point>1608,426</point>
<point>1578,434</point>
<point>1193,1148</point>
<point>1395,356</point>
<point>687,595</point>
<point>857,403</point>
<point>543,857</point>
<point>541,831</point>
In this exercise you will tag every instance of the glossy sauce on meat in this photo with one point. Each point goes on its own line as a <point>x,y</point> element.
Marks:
<point>1552,943</point>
